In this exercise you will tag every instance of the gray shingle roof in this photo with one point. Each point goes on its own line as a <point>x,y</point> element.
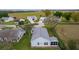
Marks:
<point>39,32</point>
<point>10,34</point>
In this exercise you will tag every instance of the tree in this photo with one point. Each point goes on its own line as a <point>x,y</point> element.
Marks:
<point>52,21</point>
<point>21,22</point>
<point>58,14</point>
<point>3,14</point>
<point>75,16</point>
<point>47,12</point>
<point>67,15</point>
<point>72,44</point>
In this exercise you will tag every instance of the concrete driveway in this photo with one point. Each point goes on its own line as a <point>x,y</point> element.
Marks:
<point>40,24</point>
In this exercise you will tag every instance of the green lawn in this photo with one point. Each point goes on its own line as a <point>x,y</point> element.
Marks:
<point>24,43</point>
<point>26,21</point>
<point>9,23</point>
<point>7,28</point>
<point>13,22</point>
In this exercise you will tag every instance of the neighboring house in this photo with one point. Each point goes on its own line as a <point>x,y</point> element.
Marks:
<point>43,18</point>
<point>22,20</point>
<point>11,35</point>
<point>32,17</point>
<point>7,19</point>
<point>40,38</point>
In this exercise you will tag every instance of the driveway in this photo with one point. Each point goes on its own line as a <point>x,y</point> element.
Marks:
<point>40,24</point>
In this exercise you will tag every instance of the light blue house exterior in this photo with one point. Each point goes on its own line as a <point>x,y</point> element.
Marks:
<point>40,38</point>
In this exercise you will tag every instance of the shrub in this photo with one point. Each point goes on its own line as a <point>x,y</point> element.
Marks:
<point>72,44</point>
<point>67,15</point>
<point>57,13</point>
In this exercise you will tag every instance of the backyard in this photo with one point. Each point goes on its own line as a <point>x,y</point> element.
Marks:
<point>53,32</point>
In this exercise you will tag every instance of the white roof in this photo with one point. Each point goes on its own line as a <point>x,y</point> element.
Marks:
<point>43,18</point>
<point>53,39</point>
<point>42,32</point>
<point>31,17</point>
<point>7,19</point>
<point>22,19</point>
<point>39,32</point>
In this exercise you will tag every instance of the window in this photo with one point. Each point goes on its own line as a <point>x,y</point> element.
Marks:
<point>33,19</point>
<point>51,43</point>
<point>45,43</point>
<point>54,43</point>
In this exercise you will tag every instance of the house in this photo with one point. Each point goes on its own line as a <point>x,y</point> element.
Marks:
<point>32,17</point>
<point>22,20</point>
<point>40,38</point>
<point>43,18</point>
<point>7,19</point>
<point>13,35</point>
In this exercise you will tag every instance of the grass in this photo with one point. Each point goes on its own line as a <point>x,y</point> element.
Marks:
<point>24,43</point>
<point>26,21</point>
<point>25,14</point>
<point>7,28</point>
<point>52,32</point>
<point>9,23</point>
<point>68,32</point>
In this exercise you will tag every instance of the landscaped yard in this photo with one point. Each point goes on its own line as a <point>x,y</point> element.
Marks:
<point>68,32</point>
